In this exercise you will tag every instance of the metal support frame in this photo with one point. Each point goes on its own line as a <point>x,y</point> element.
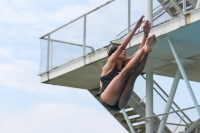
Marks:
<point>128,121</point>
<point>184,75</point>
<point>166,100</point>
<point>149,101</point>
<point>84,35</point>
<point>173,103</point>
<point>149,10</point>
<point>184,6</point>
<point>170,100</point>
<point>176,6</point>
<point>195,124</point>
<point>198,4</point>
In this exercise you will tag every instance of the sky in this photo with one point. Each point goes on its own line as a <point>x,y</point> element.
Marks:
<point>29,106</point>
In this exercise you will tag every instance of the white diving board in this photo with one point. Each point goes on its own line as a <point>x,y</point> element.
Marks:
<point>84,72</point>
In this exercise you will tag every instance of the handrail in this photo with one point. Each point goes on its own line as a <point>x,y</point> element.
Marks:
<point>154,15</point>
<point>166,101</point>
<point>168,96</point>
<point>78,18</point>
<point>166,113</point>
<point>71,43</point>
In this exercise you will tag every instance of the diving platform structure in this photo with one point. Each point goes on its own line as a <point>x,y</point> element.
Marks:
<point>176,54</point>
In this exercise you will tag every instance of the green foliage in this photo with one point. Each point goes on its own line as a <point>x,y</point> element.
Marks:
<point>188,127</point>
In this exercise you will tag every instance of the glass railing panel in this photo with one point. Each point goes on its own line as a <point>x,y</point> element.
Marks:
<point>43,56</point>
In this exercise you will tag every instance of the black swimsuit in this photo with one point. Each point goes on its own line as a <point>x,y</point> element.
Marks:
<point>105,80</point>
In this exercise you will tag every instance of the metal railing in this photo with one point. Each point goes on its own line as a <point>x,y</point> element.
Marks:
<point>50,45</point>
<point>160,88</point>
<point>176,113</point>
<point>50,41</point>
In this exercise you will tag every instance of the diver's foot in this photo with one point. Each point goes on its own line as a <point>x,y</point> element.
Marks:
<point>150,42</point>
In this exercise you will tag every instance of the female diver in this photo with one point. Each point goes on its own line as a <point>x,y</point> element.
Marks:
<point>119,74</point>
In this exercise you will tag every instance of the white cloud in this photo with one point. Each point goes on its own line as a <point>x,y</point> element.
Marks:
<point>23,11</point>
<point>21,73</point>
<point>61,118</point>
<point>34,14</point>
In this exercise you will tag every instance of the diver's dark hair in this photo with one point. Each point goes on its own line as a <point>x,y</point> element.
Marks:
<point>112,48</point>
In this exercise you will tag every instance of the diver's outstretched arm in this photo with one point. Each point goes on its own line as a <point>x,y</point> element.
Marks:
<point>146,28</point>
<point>123,45</point>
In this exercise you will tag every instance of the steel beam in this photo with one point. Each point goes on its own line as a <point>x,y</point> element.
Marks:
<point>149,101</point>
<point>176,6</point>
<point>170,100</point>
<point>198,4</point>
<point>184,75</point>
<point>128,121</point>
<point>195,124</point>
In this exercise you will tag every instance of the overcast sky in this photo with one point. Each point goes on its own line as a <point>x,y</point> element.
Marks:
<point>28,106</point>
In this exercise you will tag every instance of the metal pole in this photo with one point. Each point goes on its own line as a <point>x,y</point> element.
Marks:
<point>51,55</point>
<point>179,124</point>
<point>149,101</point>
<point>198,4</point>
<point>71,43</point>
<point>184,75</point>
<point>149,10</point>
<point>184,6</point>
<point>170,100</point>
<point>129,17</point>
<point>84,35</point>
<point>48,52</point>
<point>196,130</point>
<point>128,121</point>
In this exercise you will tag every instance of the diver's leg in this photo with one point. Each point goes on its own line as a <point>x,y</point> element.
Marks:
<point>128,87</point>
<point>113,91</point>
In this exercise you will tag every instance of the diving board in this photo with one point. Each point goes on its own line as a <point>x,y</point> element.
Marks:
<point>184,33</point>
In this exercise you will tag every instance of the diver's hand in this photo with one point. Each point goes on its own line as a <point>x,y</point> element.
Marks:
<point>139,22</point>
